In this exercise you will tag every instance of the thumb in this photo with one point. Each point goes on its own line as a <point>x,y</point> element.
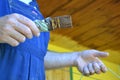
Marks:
<point>101,54</point>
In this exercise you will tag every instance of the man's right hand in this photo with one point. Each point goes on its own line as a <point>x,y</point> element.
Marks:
<point>15,28</point>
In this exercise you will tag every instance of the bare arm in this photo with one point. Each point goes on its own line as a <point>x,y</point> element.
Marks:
<point>86,61</point>
<point>55,60</point>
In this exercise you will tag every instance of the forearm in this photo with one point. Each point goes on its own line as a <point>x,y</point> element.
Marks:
<point>86,61</point>
<point>55,60</point>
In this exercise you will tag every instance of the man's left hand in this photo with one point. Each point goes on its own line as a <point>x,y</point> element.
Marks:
<point>88,62</point>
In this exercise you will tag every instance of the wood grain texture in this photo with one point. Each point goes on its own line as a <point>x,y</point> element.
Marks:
<point>61,74</point>
<point>96,25</point>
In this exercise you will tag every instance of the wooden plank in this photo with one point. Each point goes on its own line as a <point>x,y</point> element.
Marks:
<point>60,74</point>
<point>49,6</point>
<point>96,22</point>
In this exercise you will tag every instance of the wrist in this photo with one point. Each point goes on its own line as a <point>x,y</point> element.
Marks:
<point>75,56</point>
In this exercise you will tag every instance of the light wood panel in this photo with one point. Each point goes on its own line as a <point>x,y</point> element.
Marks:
<point>68,43</point>
<point>60,74</point>
<point>96,23</point>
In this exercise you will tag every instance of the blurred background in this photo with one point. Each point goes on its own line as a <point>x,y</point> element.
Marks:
<point>96,25</point>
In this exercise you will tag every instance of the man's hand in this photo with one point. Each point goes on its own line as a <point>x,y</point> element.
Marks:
<point>15,28</point>
<point>88,62</point>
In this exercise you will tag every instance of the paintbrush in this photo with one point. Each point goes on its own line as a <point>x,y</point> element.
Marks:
<point>52,23</point>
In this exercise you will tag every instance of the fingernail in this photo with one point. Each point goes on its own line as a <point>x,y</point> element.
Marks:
<point>30,36</point>
<point>38,34</point>
<point>106,69</point>
<point>92,72</point>
<point>106,53</point>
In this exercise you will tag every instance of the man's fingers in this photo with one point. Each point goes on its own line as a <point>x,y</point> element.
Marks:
<point>96,67</point>
<point>30,24</point>
<point>91,69</point>
<point>15,27</point>
<point>102,66</point>
<point>11,41</point>
<point>101,54</point>
<point>23,29</point>
<point>17,36</point>
<point>86,71</point>
<point>80,68</point>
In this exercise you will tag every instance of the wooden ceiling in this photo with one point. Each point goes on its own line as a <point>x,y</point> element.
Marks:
<point>96,23</point>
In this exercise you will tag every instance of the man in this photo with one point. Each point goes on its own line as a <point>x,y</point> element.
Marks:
<point>23,49</point>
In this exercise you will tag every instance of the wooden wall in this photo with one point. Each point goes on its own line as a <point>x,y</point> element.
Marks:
<point>64,73</point>
<point>60,74</point>
<point>96,25</point>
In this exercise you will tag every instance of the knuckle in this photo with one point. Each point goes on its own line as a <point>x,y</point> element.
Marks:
<point>14,15</point>
<point>6,28</point>
<point>24,18</point>
<point>10,20</point>
<point>94,50</point>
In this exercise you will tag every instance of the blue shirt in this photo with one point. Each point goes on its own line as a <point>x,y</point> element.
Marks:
<point>26,61</point>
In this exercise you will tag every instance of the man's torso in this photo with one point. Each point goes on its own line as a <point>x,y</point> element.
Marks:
<point>26,61</point>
